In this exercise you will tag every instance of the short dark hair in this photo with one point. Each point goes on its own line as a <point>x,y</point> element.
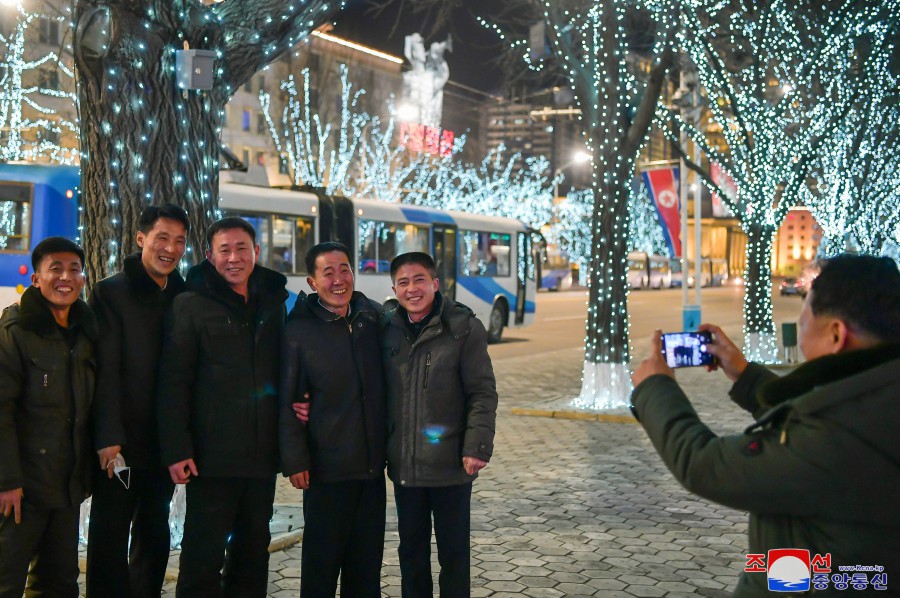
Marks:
<point>229,223</point>
<point>862,290</point>
<point>326,247</point>
<point>55,245</point>
<point>153,213</point>
<point>413,257</point>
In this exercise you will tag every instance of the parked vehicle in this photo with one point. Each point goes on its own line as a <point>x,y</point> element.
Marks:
<point>793,286</point>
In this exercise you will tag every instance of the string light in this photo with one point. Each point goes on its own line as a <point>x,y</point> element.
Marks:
<point>15,97</point>
<point>777,109</point>
<point>591,47</point>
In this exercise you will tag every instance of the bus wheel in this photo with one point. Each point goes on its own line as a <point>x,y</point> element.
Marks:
<point>495,324</point>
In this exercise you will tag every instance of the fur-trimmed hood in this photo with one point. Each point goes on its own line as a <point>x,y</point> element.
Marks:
<point>34,314</point>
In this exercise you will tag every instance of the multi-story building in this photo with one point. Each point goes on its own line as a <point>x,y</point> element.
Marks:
<point>797,242</point>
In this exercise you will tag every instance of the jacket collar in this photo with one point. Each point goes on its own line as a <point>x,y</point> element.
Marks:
<point>264,284</point>
<point>308,306</point>
<point>35,316</point>
<point>825,370</point>
<point>141,282</point>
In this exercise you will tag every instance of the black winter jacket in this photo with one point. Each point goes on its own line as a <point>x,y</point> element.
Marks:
<point>46,391</point>
<point>339,363</point>
<point>130,308</point>
<point>218,379</point>
<point>442,395</point>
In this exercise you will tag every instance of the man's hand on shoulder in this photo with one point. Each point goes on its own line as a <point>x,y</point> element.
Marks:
<point>11,503</point>
<point>654,364</point>
<point>473,465</point>
<point>301,410</point>
<point>728,357</point>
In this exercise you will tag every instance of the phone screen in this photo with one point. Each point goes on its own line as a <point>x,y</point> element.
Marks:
<point>687,349</point>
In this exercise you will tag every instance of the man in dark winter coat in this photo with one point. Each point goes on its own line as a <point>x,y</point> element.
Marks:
<point>331,353</point>
<point>130,307</point>
<point>819,470</point>
<point>46,391</point>
<point>218,412</point>
<point>442,404</point>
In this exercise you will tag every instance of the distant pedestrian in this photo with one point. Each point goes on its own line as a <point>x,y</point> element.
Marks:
<point>331,353</point>
<point>218,412</point>
<point>46,391</point>
<point>128,548</point>
<point>442,404</point>
<point>820,468</point>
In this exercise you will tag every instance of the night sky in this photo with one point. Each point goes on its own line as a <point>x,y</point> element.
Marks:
<point>473,47</point>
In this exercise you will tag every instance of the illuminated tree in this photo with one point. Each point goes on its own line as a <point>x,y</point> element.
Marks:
<point>18,67</point>
<point>617,73</point>
<point>359,157</point>
<point>855,191</point>
<point>780,79</point>
<point>144,140</point>
<point>314,157</point>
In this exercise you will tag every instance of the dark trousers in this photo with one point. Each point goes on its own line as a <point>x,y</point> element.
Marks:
<point>47,540</point>
<point>226,525</point>
<point>113,567</point>
<point>343,534</point>
<point>450,507</point>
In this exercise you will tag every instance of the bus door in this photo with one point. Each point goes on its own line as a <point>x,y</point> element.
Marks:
<point>443,249</point>
<point>523,266</point>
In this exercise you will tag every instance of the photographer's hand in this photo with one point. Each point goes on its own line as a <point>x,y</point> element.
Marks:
<point>654,364</point>
<point>728,357</point>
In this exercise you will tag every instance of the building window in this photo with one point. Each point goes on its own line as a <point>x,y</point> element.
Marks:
<point>248,86</point>
<point>261,82</point>
<point>245,120</point>
<point>283,167</point>
<point>245,157</point>
<point>260,123</point>
<point>261,158</point>
<point>48,31</point>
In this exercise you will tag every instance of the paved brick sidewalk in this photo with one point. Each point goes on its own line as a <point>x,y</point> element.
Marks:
<point>577,508</point>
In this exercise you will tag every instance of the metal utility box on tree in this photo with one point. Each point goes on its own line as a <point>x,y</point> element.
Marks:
<point>194,69</point>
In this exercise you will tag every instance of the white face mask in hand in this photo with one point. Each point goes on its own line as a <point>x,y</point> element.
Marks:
<point>122,471</point>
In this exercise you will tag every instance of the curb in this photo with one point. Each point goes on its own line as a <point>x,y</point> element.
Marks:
<point>576,415</point>
<point>278,543</point>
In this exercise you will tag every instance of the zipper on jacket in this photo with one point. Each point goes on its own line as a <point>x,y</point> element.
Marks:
<point>45,381</point>
<point>427,367</point>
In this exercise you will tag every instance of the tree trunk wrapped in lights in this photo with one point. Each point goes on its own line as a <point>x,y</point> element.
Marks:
<point>144,141</point>
<point>780,80</point>
<point>592,45</point>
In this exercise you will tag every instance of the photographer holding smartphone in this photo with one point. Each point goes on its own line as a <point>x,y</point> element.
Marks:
<point>818,469</point>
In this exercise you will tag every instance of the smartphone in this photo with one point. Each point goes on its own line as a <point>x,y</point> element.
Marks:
<point>687,349</point>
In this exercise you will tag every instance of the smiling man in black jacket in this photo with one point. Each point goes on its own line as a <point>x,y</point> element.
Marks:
<point>46,390</point>
<point>442,409</point>
<point>331,353</point>
<point>130,307</point>
<point>218,412</point>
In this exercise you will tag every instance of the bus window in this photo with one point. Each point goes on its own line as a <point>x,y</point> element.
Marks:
<point>15,216</point>
<point>485,254</point>
<point>381,242</point>
<point>292,237</point>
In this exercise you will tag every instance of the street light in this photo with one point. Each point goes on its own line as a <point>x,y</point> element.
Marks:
<point>578,157</point>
